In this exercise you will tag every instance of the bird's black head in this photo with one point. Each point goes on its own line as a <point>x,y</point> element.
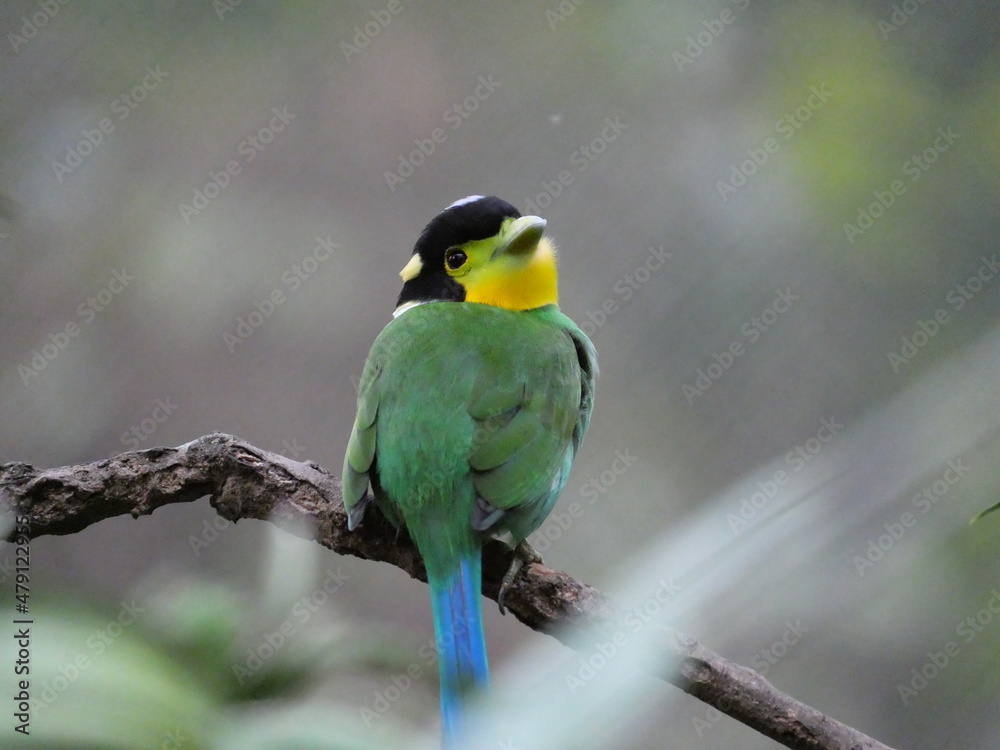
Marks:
<point>425,277</point>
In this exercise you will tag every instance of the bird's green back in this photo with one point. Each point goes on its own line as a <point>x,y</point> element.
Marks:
<point>469,416</point>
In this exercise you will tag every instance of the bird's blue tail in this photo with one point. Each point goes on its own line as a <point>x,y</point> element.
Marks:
<point>461,647</point>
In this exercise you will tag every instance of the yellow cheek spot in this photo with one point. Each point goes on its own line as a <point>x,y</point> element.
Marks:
<point>412,269</point>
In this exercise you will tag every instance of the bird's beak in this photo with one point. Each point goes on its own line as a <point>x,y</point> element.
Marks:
<point>522,236</point>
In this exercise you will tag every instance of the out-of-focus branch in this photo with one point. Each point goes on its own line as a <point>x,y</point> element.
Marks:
<point>246,482</point>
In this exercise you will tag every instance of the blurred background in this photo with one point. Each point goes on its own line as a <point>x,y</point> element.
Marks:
<point>778,222</point>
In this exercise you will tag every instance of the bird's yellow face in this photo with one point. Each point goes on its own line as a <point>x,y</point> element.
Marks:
<point>480,249</point>
<point>515,268</point>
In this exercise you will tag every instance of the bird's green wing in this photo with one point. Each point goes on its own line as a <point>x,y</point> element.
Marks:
<point>360,457</point>
<point>528,428</point>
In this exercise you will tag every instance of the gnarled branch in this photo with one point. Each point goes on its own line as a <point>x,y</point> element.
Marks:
<point>247,482</point>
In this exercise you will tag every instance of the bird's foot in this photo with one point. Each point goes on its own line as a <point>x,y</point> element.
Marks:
<point>524,554</point>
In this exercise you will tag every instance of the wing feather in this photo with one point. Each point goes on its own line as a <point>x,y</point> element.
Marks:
<point>527,432</point>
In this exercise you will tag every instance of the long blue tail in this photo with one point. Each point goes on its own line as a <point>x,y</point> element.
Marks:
<point>461,647</point>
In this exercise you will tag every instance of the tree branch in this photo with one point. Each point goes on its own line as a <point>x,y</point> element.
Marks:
<point>247,482</point>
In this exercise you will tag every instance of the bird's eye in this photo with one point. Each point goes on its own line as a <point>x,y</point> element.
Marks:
<point>455,259</point>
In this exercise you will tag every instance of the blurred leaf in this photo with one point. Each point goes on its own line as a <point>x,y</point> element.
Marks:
<point>985,512</point>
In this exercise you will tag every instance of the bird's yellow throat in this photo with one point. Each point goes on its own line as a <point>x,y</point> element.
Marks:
<point>518,283</point>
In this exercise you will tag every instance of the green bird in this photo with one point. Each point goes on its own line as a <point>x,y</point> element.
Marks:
<point>471,408</point>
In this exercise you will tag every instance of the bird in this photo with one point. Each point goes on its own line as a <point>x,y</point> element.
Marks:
<point>472,405</point>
